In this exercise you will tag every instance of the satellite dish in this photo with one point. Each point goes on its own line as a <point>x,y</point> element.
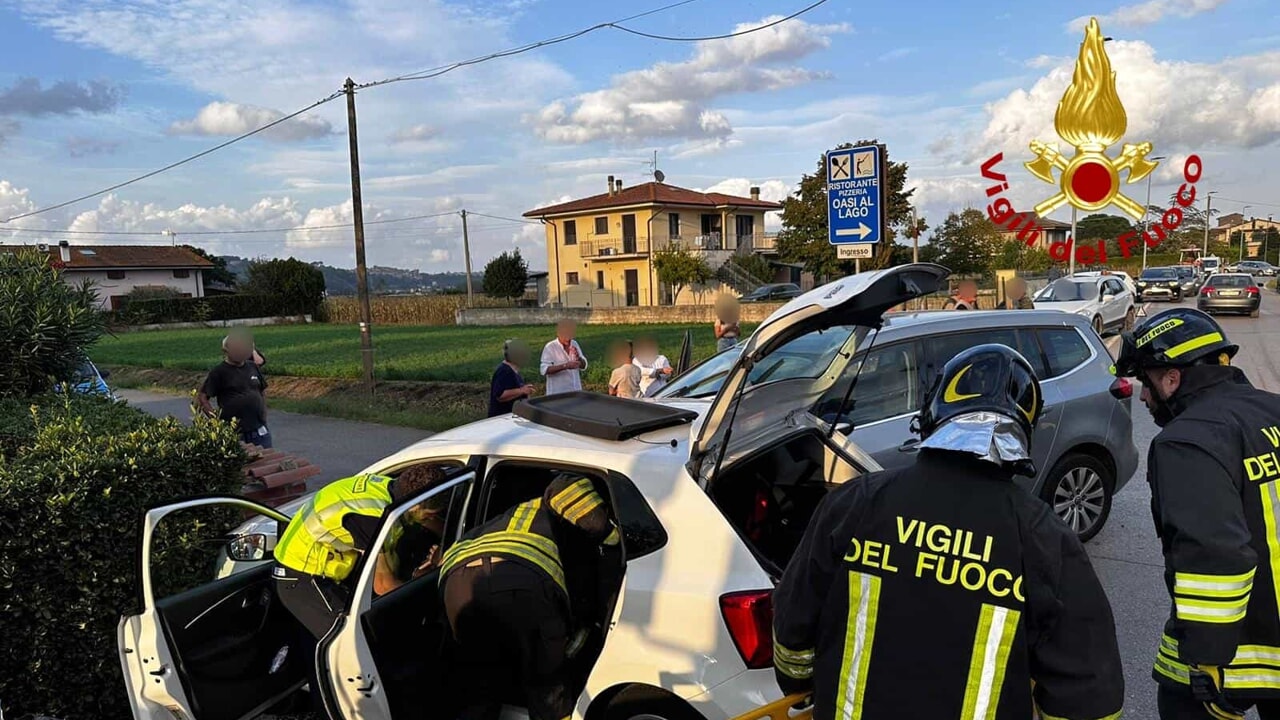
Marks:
<point>657,175</point>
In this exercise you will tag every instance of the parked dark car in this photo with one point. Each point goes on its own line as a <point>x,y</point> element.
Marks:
<point>771,293</point>
<point>1230,292</point>
<point>1159,283</point>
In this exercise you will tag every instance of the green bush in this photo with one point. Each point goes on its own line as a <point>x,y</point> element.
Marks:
<point>214,307</point>
<point>46,325</point>
<point>76,477</point>
<point>755,266</point>
<point>298,284</point>
<point>153,292</point>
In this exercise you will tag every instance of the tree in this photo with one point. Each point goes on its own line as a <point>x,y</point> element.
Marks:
<point>966,242</point>
<point>505,276</point>
<point>678,267</point>
<point>1017,255</point>
<point>46,325</point>
<point>219,272</point>
<point>1108,228</point>
<point>300,285</point>
<point>803,238</point>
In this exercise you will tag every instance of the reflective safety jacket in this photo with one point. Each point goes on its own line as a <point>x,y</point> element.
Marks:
<point>943,590</point>
<point>1215,498</point>
<point>528,532</point>
<point>316,542</point>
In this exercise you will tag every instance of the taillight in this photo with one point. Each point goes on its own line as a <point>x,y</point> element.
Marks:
<point>1253,290</point>
<point>1122,388</point>
<point>1206,290</point>
<point>749,617</point>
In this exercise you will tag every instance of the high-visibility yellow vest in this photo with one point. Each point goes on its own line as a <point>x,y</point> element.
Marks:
<point>315,541</point>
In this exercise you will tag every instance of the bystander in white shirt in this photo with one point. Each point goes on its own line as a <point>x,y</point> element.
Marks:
<point>652,377</point>
<point>554,356</point>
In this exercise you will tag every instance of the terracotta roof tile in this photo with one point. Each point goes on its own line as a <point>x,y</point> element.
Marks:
<point>1046,223</point>
<point>652,193</point>
<point>88,257</point>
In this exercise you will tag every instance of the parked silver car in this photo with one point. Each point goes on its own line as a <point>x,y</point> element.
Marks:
<point>1083,446</point>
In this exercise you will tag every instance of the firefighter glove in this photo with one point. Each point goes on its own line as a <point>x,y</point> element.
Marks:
<point>1206,686</point>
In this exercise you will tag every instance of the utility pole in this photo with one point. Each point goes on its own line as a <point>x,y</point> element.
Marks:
<point>1243,210</point>
<point>466,253</point>
<point>357,217</point>
<point>173,236</point>
<point>915,237</point>
<point>1071,266</point>
<point>1208,216</point>
<point>1146,224</point>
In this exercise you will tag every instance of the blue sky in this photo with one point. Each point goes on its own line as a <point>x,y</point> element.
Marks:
<point>93,92</point>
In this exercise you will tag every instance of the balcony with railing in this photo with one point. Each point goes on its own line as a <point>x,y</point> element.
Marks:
<point>601,248</point>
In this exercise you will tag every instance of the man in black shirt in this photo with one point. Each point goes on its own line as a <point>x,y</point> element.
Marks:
<point>240,390</point>
<point>507,385</point>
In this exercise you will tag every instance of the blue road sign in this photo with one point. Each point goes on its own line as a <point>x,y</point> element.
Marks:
<point>855,195</point>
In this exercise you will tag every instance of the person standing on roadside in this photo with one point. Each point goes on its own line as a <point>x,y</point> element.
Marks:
<point>507,385</point>
<point>1215,501</point>
<point>562,360</point>
<point>655,368</point>
<point>728,313</point>
<point>965,296</point>
<point>239,389</point>
<point>624,381</point>
<point>1015,296</point>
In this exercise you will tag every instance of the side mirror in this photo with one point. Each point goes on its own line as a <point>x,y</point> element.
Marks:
<point>247,548</point>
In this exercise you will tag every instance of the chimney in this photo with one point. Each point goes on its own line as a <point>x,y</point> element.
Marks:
<point>617,186</point>
<point>611,186</point>
<point>64,249</point>
<point>755,194</point>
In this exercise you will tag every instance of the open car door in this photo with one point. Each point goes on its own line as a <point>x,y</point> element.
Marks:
<point>386,657</point>
<point>199,647</point>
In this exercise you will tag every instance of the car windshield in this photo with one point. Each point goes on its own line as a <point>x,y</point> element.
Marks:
<point>1230,281</point>
<point>1186,272</point>
<point>1160,274</point>
<point>806,356</point>
<point>1066,290</point>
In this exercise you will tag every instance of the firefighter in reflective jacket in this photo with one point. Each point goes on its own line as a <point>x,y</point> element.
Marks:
<point>315,555</point>
<point>944,590</point>
<point>1216,504</point>
<point>507,587</point>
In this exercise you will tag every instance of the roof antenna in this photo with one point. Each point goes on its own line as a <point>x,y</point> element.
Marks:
<point>658,175</point>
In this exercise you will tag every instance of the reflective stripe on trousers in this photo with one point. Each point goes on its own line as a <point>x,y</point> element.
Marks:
<point>860,631</point>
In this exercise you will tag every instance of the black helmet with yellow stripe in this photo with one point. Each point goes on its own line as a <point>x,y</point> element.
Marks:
<point>1180,337</point>
<point>986,378</point>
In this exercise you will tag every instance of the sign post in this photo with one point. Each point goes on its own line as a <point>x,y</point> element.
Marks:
<point>855,200</point>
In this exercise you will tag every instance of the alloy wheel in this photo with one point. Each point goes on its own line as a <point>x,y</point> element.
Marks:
<point>1079,498</point>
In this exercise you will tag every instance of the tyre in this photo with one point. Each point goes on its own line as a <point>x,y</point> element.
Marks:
<point>1129,319</point>
<point>1078,489</point>
<point>648,705</point>
<point>1097,324</point>
<point>1254,314</point>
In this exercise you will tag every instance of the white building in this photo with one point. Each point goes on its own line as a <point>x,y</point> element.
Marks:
<point>117,269</point>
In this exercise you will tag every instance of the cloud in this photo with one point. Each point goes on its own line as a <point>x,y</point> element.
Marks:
<point>414,134</point>
<point>114,213</point>
<point>771,190</point>
<point>78,147</point>
<point>8,128</point>
<point>1176,105</point>
<point>671,99</point>
<point>896,54</point>
<point>29,98</point>
<point>231,119</point>
<point>16,201</point>
<point>1147,13</point>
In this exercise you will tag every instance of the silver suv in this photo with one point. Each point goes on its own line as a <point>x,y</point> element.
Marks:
<point>1083,445</point>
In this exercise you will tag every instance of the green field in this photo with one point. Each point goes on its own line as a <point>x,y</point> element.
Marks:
<point>447,354</point>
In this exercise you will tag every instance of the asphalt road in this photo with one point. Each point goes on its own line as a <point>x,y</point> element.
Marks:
<point>1126,553</point>
<point>340,448</point>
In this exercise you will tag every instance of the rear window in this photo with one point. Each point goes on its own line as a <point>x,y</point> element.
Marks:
<point>1233,281</point>
<point>1064,349</point>
<point>806,356</point>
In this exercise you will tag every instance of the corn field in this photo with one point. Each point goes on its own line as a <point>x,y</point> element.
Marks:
<point>404,310</point>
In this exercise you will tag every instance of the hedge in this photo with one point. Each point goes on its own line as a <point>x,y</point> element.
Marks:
<point>214,307</point>
<point>76,475</point>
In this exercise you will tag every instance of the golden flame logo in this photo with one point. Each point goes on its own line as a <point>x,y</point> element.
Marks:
<point>1091,118</point>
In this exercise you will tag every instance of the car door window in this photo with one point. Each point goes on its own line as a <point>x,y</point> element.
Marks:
<point>419,538</point>
<point>1064,349</point>
<point>941,348</point>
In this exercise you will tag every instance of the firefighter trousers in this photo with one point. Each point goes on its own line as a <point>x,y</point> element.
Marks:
<point>511,625</point>
<point>1181,706</point>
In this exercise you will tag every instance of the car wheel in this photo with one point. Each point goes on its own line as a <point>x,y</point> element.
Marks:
<point>1078,489</point>
<point>649,706</point>
<point>1129,319</point>
<point>1254,314</point>
<point>1097,325</point>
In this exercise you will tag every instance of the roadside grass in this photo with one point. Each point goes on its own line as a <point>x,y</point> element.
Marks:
<point>440,354</point>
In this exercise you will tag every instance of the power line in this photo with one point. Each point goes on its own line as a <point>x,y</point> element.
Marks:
<point>250,231</point>
<point>499,217</point>
<point>171,166</point>
<point>1247,202</point>
<point>615,25</point>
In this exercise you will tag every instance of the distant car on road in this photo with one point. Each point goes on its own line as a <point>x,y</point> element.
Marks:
<point>1189,278</point>
<point>89,380</point>
<point>1230,292</point>
<point>1102,299</point>
<point>1254,267</point>
<point>773,292</point>
<point>1160,283</point>
<point>1124,277</point>
<point>1210,264</point>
